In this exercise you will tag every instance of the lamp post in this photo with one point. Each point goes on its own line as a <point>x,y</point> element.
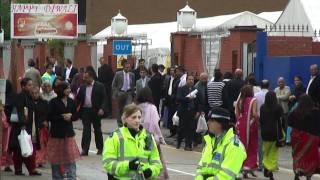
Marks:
<point>119,25</point>
<point>186,18</point>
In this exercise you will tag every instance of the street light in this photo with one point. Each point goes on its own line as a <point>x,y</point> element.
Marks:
<point>119,25</point>
<point>186,18</point>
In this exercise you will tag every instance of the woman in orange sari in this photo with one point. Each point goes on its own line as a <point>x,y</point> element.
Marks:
<point>247,127</point>
<point>305,139</point>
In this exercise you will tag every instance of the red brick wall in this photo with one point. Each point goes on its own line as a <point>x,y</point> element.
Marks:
<point>232,44</point>
<point>316,48</point>
<point>82,54</point>
<point>187,52</point>
<point>289,46</point>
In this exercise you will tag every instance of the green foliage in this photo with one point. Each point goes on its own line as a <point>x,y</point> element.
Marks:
<point>57,46</point>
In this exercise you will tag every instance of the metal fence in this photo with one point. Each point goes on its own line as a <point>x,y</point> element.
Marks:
<point>284,29</point>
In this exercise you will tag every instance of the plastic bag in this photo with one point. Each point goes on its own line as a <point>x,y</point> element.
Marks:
<point>202,124</point>
<point>25,143</point>
<point>175,119</point>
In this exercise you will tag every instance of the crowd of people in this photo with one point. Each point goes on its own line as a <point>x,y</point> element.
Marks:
<point>247,121</point>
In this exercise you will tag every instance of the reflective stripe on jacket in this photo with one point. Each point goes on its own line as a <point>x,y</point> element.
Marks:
<point>121,147</point>
<point>224,161</point>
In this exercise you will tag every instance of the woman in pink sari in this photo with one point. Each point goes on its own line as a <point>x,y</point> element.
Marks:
<point>5,156</point>
<point>247,127</point>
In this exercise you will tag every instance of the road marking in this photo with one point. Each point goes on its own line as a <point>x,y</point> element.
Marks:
<point>181,172</point>
<point>94,152</point>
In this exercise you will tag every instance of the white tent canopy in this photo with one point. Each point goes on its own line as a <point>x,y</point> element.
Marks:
<point>303,13</point>
<point>271,16</point>
<point>160,33</point>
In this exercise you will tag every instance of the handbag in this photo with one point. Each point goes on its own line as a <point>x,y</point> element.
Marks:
<point>175,119</point>
<point>202,124</point>
<point>25,143</point>
<point>14,116</point>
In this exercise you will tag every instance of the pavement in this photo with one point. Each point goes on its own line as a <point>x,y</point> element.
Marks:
<point>181,164</point>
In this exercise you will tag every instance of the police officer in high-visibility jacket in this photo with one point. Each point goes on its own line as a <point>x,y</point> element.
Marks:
<point>131,152</point>
<point>223,154</point>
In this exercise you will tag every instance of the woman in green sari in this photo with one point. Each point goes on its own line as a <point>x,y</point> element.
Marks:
<point>271,131</point>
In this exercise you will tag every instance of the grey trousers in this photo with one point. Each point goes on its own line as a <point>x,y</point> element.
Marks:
<point>123,99</point>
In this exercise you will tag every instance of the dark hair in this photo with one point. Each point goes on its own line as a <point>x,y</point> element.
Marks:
<point>58,78</point>
<point>124,62</point>
<point>60,89</point>
<point>227,75</point>
<point>271,100</point>
<point>31,63</point>
<point>154,68</point>
<point>305,105</point>
<point>161,66</point>
<point>180,68</point>
<point>92,73</point>
<point>140,60</point>
<point>264,84</point>
<point>251,80</point>
<point>246,91</point>
<point>298,77</point>
<point>217,76</point>
<point>144,95</point>
<point>49,65</point>
<point>81,69</point>
<point>69,61</point>
<point>24,81</point>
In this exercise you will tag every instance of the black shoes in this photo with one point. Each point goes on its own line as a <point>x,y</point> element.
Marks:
<point>84,153</point>
<point>19,173</point>
<point>178,145</point>
<point>35,173</point>
<point>99,152</point>
<point>188,149</point>
<point>7,169</point>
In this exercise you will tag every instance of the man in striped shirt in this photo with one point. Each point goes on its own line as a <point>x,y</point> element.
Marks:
<point>214,90</point>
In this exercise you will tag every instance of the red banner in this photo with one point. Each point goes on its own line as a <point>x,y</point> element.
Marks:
<point>52,21</point>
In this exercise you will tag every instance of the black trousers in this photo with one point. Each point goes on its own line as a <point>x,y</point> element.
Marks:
<point>173,128</point>
<point>89,116</point>
<point>187,127</point>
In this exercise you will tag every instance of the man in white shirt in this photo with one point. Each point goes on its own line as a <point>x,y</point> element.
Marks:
<point>313,89</point>
<point>260,96</point>
<point>69,71</point>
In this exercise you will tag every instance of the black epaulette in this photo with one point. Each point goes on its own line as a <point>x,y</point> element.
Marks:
<point>113,132</point>
<point>236,141</point>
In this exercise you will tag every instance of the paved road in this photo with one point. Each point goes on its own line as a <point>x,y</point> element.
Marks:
<point>181,164</point>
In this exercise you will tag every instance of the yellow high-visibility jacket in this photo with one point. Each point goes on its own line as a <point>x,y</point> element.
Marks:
<point>121,147</point>
<point>222,159</point>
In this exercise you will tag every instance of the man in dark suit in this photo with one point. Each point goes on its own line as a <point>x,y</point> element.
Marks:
<point>69,71</point>
<point>231,92</point>
<point>143,81</point>
<point>105,76</point>
<point>91,99</point>
<point>140,66</point>
<point>123,88</point>
<point>155,84</point>
<point>313,89</point>
<point>188,111</point>
<point>57,69</point>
